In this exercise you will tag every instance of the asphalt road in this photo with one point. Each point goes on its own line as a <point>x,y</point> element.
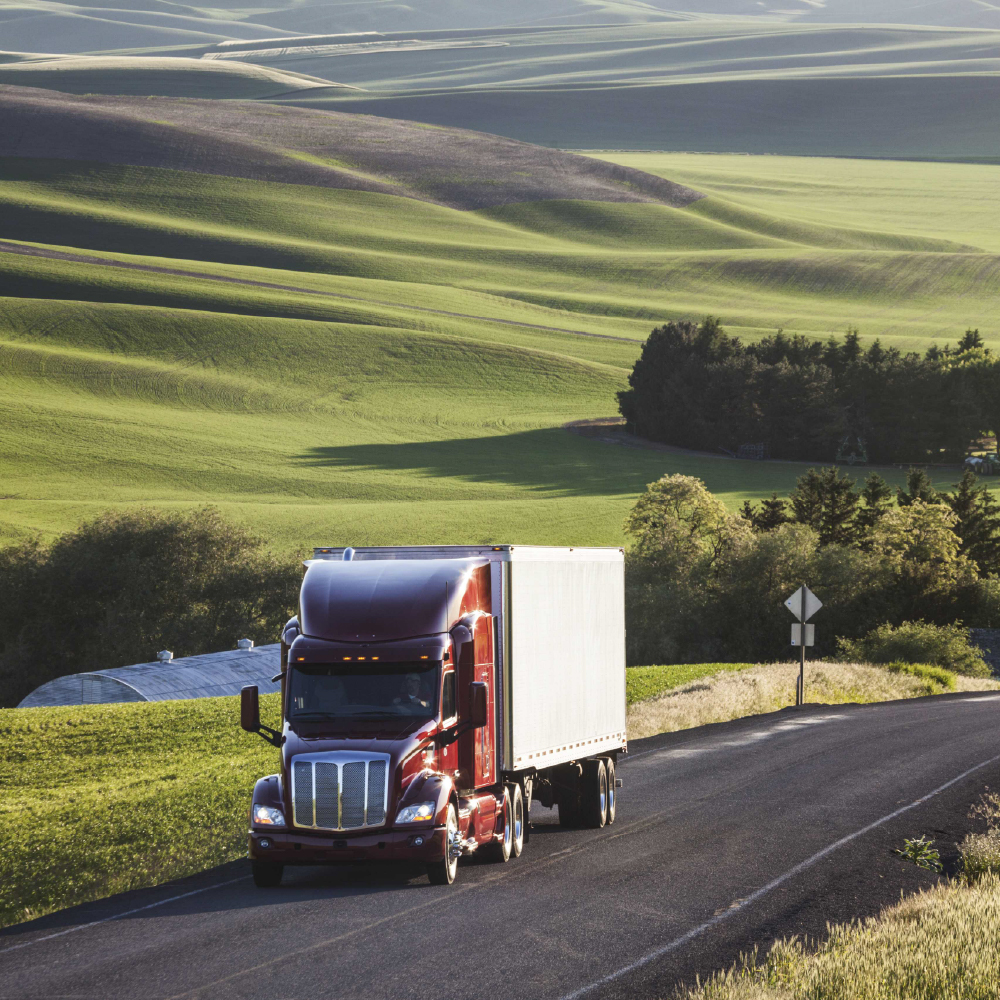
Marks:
<point>726,835</point>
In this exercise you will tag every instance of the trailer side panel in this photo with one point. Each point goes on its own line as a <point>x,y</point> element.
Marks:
<point>566,666</point>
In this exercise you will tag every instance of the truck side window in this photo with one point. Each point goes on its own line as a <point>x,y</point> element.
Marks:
<point>448,696</point>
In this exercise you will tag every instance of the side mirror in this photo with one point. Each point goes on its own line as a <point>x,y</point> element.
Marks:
<point>478,704</point>
<point>250,709</point>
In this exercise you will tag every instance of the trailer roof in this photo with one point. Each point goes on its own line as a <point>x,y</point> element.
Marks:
<point>502,553</point>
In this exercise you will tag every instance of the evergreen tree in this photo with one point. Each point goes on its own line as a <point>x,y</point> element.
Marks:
<point>877,499</point>
<point>978,524</point>
<point>772,514</point>
<point>971,341</point>
<point>918,487</point>
<point>828,503</point>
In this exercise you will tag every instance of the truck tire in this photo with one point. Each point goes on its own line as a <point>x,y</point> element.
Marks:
<point>518,819</point>
<point>609,766</point>
<point>443,872</point>
<point>499,850</point>
<point>594,794</point>
<point>266,874</point>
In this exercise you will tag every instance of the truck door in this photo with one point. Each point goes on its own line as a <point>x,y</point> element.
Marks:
<point>477,747</point>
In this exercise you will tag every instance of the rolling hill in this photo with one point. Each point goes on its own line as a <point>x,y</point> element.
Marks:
<point>169,76</point>
<point>274,315</point>
<point>712,86</point>
<point>881,78</point>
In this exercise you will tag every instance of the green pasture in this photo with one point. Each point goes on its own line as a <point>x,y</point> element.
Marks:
<point>643,683</point>
<point>408,376</point>
<point>100,799</point>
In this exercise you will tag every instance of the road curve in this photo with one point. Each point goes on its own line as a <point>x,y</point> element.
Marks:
<point>726,835</point>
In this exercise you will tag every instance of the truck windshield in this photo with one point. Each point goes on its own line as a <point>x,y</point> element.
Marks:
<point>320,691</point>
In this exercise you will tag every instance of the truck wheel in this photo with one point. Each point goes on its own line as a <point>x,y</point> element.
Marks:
<point>499,850</point>
<point>609,766</point>
<point>266,874</point>
<point>517,819</point>
<point>594,794</point>
<point>443,872</point>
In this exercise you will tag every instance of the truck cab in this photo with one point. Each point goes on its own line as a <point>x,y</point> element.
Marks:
<point>390,739</point>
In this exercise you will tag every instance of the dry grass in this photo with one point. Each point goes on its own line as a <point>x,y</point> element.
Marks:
<point>770,687</point>
<point>943,944</point>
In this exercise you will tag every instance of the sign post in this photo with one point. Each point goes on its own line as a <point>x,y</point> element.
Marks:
<point>803,604</point>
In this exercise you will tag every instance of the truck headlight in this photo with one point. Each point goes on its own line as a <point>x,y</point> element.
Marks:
<point>267,815</point>
<point>422,812</point>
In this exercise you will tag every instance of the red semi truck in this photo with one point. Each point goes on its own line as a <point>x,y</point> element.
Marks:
<point>429,694</point>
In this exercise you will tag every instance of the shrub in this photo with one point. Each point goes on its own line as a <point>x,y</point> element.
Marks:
<point>980,855</point>
<point>918,642</point>
<point>922,853</point>
<point>126,584</point>
<point>936,679</point>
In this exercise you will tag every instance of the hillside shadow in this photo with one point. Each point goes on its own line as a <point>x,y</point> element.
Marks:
<point>550,460</point>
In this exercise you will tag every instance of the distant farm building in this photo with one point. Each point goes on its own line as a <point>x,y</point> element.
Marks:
<point>207,676</point>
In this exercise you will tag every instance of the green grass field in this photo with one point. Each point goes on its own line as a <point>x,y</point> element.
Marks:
<point>419,395</point>
<point>643,683</point>
<point>101,799</point>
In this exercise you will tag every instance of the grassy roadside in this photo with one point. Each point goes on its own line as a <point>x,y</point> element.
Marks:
<point>105,798</point>
<point>942,943</point>
<point>644,683</point>
<point>732,691</point>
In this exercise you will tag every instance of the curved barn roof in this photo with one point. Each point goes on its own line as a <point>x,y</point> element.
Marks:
<point>205,676</point>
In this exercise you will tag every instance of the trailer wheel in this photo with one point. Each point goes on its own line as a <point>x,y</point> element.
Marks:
<point>517,819</point>
<point>609,766</point>
<point>594,794</point>
<point>499,850</point>
<point>266,874</point>
<point>443,872</point>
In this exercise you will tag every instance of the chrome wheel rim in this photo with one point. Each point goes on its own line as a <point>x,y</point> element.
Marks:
<point>508,827</point>
<point>452,840</point>
<point>518,820</point>
<point>604,792</point>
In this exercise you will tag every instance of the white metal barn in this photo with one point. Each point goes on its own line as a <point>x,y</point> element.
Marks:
<point>205,676</point>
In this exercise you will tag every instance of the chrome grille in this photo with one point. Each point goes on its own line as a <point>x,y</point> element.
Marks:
<point>376,801</point>
<point>352,799</point>
<point>302,793</point>
<point>327,784</point>
<point>340,790</point>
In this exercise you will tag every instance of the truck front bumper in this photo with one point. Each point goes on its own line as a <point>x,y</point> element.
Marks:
<point>308,848</point>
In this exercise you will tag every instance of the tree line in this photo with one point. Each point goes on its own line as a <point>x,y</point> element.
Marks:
<point>697,387</point>
<point>128,583</point>
<point>704,584</point>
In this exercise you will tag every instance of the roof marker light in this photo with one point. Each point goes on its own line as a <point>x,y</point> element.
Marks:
<point>300,659</point>
<point>346,657</point>
<point>374,657</point>
<point>423,657</point>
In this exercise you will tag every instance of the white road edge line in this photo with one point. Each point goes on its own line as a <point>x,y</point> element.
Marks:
<point>764,890</point>
<point>118,916</point>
